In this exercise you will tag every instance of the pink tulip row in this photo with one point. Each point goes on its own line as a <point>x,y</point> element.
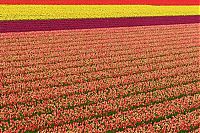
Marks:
<point>42,38</point>
<point>76,100</point>
<point>97,44</point>
<point>22,35</point>
<point>181,122</point>
<point>139,115</point>
<point>48,95</point>
<point>112,101</point>
<point>67,49</point>
<point>176,126</point>
<point>100,45</point>
<point>84,83</point>
<point>74,44</point>
<point>131,52</point>
<point>98,32</point>
<point>84,32</point>
<point>106,80</point>
<point>14,60</point>
<point>109,70</point>
<point>121,119</point>
<point>96,62</point>
<point>11,37</point>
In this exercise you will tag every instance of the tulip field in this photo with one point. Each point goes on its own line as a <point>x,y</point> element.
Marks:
<point>99,66</point>
<point>122,79</point>
<point>45,12</point>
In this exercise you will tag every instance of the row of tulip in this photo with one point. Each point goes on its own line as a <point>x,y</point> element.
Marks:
<point>24,94</point>
<point>89,44</point>
<point>105,121</point>
<point>109,101</point>
<point>93,79</point>
<point>137,83</point>
<point>74,42</point>
<point>109,70</point>
<point>135,54</point>
<point>179,123</point>
<point>41,35</point>
<point>174,123</point>
<point>7,73</point>
<point>119,46</point>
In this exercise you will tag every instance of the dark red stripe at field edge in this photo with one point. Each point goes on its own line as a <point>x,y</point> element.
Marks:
<point>68,24</point>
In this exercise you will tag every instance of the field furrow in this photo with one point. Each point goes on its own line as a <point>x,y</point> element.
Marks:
<point>125,79</point>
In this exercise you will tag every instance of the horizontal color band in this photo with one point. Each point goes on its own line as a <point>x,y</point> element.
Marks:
<point>93,2</point>
<point>44,12</point>
<point>48,25</point>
